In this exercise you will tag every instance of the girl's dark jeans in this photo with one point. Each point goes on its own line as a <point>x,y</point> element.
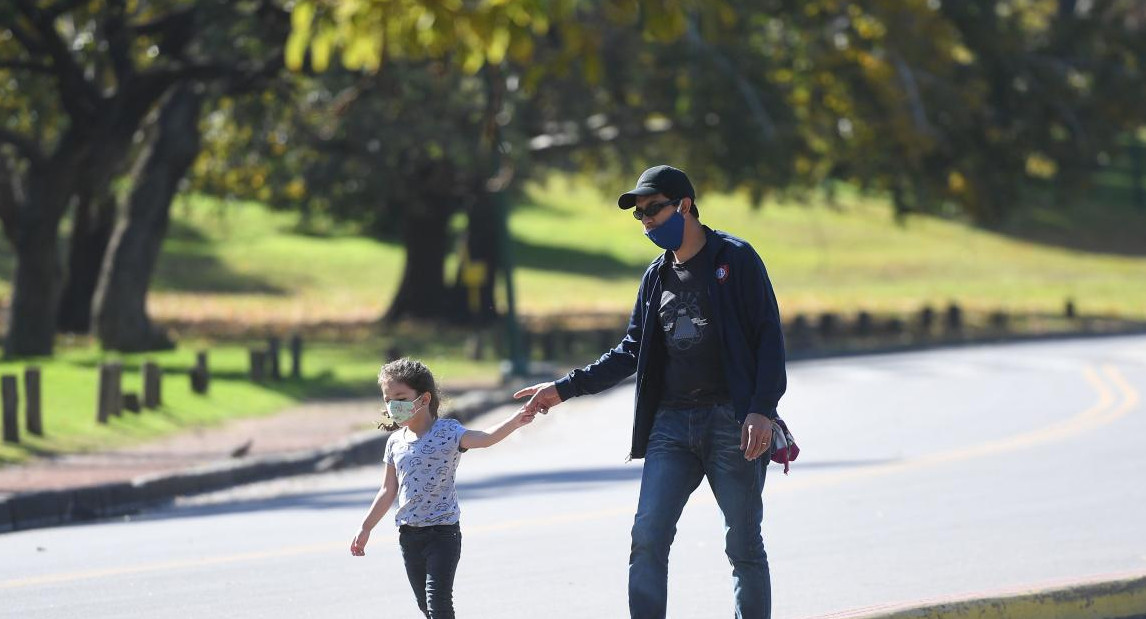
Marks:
<point>431,555</point>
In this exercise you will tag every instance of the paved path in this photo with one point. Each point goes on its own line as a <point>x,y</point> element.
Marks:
<point>302,428</point>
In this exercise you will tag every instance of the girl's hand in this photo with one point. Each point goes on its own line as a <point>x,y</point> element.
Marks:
<point>358,544</point>
<point>522,418</point>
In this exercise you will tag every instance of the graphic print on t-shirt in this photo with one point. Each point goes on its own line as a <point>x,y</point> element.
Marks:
<point>426,467</point>
<point>681,319</point>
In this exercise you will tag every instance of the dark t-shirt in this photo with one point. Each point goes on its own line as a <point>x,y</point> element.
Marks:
<point>694,373</point>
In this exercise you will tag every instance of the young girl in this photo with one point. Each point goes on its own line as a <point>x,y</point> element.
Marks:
<point>421,458</point>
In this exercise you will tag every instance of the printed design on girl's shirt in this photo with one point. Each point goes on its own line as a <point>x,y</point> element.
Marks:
<point>681,320</point>
<point>425,469</point>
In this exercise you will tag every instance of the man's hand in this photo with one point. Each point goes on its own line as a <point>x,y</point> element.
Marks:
<point>755,435</point>
<point>542,397</point>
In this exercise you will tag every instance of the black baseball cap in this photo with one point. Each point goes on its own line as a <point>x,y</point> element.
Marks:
<point>659,179</point>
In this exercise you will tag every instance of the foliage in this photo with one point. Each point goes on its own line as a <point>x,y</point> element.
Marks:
<point>943,104</point>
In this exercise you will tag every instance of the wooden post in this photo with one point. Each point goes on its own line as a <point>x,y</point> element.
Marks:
<point>200,375</point>
<point>200,381</point>
<point>568,340</point>
<point>1069,310</point>
<point>605,339</point>
<point>32,414</point>
<point>926,318</point>
<point>258,365</point>
<point>954,318</point>
<point>827,325</point>
<point>296,356</point>
<point>116,373</point>
<point>131,402</point>
<point>549,345</point>
<point>152,385</point>
<point>110,393</point>
<point>11,406</point>
<point>1137,174</point>
<point>101,396</point>
<point>273,357</point>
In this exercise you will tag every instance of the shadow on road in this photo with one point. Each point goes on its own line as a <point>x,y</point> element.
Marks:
<point>359,497</point>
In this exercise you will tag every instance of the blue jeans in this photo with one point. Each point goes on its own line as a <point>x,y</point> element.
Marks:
<point>685,446</point>
<point>431,555</point>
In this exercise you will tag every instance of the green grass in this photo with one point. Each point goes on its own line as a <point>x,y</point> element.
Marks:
<point>820,258</point>
<point>70,387</point>
<point>241,271</point>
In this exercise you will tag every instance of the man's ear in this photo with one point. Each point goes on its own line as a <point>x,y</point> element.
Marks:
<point>685,205</point>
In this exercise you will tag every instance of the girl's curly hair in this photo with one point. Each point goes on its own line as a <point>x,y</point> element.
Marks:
<point>415,375</point>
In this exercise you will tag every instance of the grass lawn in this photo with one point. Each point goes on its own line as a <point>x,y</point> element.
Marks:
<point>249,271</point>
<point>70,386</point>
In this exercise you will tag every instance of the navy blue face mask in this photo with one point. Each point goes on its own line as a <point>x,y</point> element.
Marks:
<point>670,234</point>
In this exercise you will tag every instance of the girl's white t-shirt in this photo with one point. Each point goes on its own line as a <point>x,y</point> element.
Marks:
<point>426,467</point>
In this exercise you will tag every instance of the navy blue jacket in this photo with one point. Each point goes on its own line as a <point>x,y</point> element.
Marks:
<point>748,320</point>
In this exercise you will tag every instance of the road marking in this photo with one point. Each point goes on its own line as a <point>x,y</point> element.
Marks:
<point>1101,413</point>
<point>52,579</point>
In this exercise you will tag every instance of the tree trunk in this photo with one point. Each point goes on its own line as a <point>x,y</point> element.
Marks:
<point>481,246</point>
<point>423,294</point>
<point>94,222</point>
<point>120,318</point>
<point>35,290</point>
<point>34,231</point>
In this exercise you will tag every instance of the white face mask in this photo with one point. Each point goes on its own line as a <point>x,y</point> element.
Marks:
<point>401,411</point>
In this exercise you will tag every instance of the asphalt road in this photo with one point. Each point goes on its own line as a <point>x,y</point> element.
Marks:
<point>923,475</point>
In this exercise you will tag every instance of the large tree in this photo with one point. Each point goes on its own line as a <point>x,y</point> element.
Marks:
<point>106,65</point>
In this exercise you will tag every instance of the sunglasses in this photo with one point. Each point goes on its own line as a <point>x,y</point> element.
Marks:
<point>652,209</point>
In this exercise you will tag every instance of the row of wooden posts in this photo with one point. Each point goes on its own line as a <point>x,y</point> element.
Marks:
<point>549,342</point>
<point>112,400</point>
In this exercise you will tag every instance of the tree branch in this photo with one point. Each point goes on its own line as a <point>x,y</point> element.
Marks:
<point>119,44</point>
<point>25,145</point>
<point>26,65</point>
<point>26,39</point>
<point>911,89</point>
<point>747,91</point>
<point>206,71</point>
<point>164,23</point>
<point>61,7</point>
<point>80,97</point>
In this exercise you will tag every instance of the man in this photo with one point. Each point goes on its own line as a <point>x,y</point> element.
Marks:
<point>704,340</point>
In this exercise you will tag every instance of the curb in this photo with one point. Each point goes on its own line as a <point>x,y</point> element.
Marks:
<point>30,510</point>
<point>1114,596</point>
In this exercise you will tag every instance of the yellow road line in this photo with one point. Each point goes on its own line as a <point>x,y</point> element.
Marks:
<point>51,579</point>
